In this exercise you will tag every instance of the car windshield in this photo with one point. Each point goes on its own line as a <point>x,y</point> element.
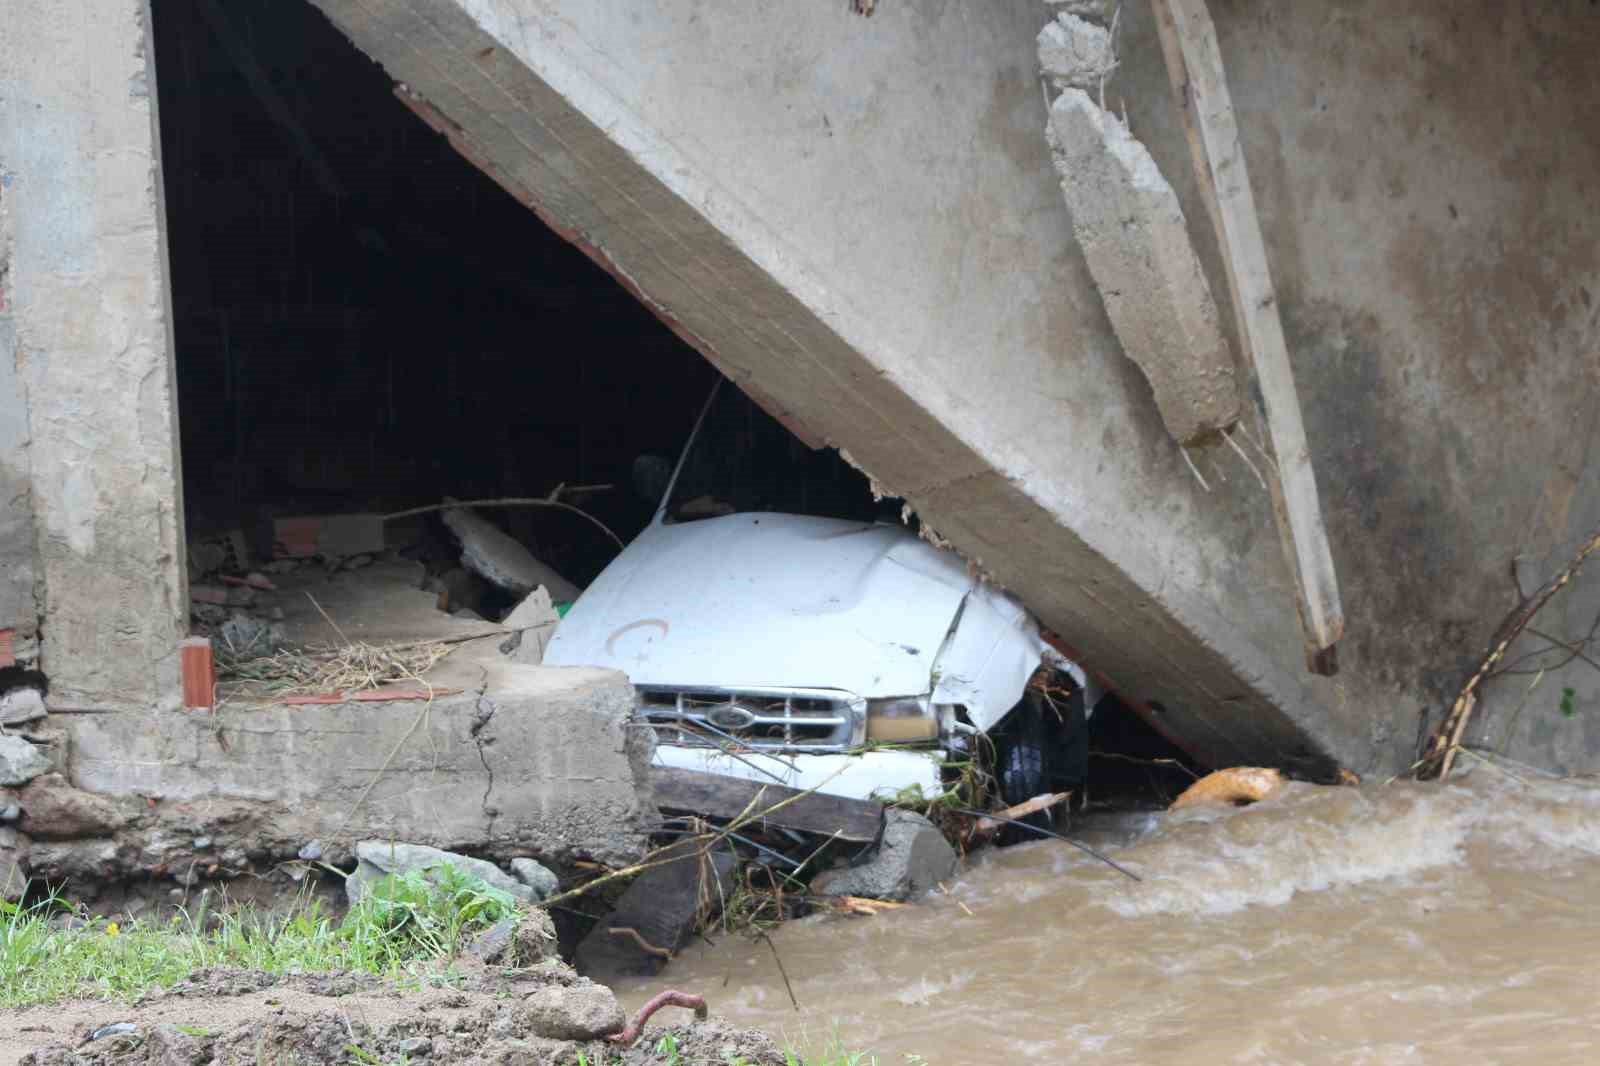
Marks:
<point>743,459</point>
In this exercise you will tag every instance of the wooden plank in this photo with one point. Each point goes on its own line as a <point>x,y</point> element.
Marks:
<point>1194,65</point>
<point>717,796</point>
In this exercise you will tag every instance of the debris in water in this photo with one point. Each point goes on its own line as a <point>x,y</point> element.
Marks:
<point>1234,787</point>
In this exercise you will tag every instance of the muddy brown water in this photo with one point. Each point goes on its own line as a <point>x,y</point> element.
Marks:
<point>1401,924</point>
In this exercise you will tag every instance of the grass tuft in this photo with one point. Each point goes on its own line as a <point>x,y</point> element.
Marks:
<point>401,923</point>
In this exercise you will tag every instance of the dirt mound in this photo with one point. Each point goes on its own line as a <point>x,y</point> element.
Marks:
<point>547,1015</point>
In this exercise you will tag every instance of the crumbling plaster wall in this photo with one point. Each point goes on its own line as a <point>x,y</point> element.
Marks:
<point>857,219</point>
<point>86,289</point>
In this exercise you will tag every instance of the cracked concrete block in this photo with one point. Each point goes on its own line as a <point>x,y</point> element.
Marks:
<point>20,761</point>
<point>1075,54</point>
<point>1131,228</point>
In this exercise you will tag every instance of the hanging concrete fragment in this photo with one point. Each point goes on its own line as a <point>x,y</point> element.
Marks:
<point>1131,227</point>
<point>1076,54</point>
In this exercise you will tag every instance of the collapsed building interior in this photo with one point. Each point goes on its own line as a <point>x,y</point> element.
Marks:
<point>366,323</point>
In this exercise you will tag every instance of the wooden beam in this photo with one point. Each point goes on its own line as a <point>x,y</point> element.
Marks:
<point>717,796</point>
<point>1199,82</point>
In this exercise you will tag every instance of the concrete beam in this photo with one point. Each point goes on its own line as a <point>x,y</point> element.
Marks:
<point>540,762</point>
<point>1132,231</point>
<point>86,294</point>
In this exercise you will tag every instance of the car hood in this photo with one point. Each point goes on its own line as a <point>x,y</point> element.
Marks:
<point>770,600</point>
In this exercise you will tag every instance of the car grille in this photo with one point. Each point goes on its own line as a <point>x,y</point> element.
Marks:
<point>763,720</point>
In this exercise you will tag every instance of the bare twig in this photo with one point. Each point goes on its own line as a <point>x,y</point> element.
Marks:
<point>1446,740</point>
<point>326,618</point>
<point>508,501</point>
<point>762,934</point>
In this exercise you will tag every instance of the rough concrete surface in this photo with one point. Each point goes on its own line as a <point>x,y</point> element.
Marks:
<point>912,859</point>
<point>1134,236</point>
<point>85,290</point>
<point>538,761</point>
<point>1076,54</point>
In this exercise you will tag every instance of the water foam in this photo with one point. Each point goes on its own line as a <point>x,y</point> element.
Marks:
<point>1309,840</point>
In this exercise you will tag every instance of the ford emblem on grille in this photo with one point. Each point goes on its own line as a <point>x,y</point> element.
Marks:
<point>732,717</point>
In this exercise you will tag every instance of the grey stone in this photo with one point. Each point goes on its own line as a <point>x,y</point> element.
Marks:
<point>311,851</point>
<point>380,857</point>
<point>417,1047</point>
<point>10,813</point>
<point>536,876</point>
<point>202,843</point>
<point>913,857</point>
<point>662,905</point>
<point>20,761</point>
<point>582,1010</point>
<point>21,705</point>
<point>53,809</point>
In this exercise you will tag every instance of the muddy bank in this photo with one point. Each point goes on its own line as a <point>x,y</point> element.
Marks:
<point>546,1015</point>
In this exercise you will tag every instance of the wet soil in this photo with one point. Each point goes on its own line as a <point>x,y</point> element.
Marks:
<point>472,1015</point>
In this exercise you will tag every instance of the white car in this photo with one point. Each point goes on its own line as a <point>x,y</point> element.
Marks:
<point>778,630</point>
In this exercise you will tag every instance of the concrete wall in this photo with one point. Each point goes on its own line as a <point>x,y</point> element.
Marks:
<point>857,219</point>
<point>87,338</point>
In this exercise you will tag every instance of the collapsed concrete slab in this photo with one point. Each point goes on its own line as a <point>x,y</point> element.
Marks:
<point>539,761</point>
<point>1131,227</point>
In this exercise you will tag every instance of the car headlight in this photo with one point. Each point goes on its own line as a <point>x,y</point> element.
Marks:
<point>901,721</point>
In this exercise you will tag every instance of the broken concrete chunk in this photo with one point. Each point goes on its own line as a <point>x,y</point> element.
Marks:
<point>913,858</point>
<point>1076,54</point>
<point>535,620</point>
<point>658,913</point>
<point>379,858</point>
<point>1131,228</point>
<point>486,549</point>
<point>20,761</point>
<point>536,876</point>
<point>21,705</point>
<point>53,809</point>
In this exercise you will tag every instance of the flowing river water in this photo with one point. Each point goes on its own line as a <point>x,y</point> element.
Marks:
<point>1398,924</point>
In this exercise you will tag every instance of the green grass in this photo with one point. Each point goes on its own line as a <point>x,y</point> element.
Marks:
<point>403,921</point>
